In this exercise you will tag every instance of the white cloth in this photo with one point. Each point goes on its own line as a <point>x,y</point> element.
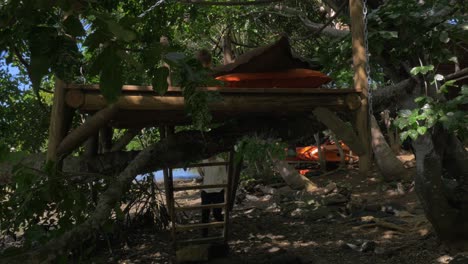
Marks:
<point>214,174</point>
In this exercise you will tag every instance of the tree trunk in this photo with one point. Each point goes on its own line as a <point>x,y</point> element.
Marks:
<point>390,167</point>
<point>442,185</point>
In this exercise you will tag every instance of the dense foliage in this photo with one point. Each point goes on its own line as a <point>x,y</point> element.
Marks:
<point>118,42</point>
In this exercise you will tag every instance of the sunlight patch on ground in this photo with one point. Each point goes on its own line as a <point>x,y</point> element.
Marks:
<point>444,259</point>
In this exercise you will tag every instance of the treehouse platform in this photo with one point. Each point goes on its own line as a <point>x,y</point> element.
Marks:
<point>140,106</point>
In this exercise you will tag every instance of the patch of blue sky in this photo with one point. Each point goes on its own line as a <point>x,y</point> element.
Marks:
<point>178,174</point>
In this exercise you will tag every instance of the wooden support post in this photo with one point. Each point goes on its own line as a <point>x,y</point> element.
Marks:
<point>360,83</point>
<point>227,194</point>
<point>60,120</point>
<point>169,188</point>
<point>235,182</point>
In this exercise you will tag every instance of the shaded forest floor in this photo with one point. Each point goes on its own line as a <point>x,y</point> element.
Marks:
<point>353,220</point>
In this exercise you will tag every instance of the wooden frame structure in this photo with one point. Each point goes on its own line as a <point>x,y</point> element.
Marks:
<point>152,109</point>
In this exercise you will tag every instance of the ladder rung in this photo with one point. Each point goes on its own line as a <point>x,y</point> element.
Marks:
<point>208,164</point>
<point>199,226</point>
<point>200,240</point>
<point>196,187</point>
<point>200,207</point>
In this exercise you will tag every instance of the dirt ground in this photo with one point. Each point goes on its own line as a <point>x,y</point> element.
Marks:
<point>353,220</point>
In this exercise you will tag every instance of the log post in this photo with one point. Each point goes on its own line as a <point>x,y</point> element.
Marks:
<point>360,82</point>
<point>60,120</point>
<point>165,132</point>
<point>235,182</point>
<point>227,194</point>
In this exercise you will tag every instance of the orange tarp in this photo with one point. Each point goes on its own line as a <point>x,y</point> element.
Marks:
<point>332,155</point>
<point>310,153</point>
<point>294,78</point>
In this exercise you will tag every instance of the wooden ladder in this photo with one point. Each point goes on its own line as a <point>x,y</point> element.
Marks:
<point>173,209</point>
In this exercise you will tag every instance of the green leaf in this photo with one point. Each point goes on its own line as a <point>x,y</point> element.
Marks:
<point>405,113</point>
<point>111,82</point>
<point>404,135</point>
<point>119,31</point>
<point>444,37</point>
<point>422,130</point>
<point>413,134</point>
<point>73,26</point>
<point>129,60</point>
<point>422,69</point>
<point>388,34</point>
<point>39,67</point>
<point>111,74</point>
<point>174,57</point>
<point>159,81</point>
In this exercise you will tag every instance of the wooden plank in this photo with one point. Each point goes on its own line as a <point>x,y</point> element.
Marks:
<point>361,83</point>
<point>149,89</point>
<point>201,240</point>
<point>199,207</point>
<point>232,102</point>
<point>197,187</point>
<point>199,226</point>
<point>207,164</point>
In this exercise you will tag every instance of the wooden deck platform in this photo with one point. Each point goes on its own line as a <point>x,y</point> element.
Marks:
<point>140,106</point>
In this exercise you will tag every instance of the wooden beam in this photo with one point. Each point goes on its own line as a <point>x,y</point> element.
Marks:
<point>361,83</point>
<point>340,128</point>
<point>261,102</point>
<point>200,207</point>
<point>146,89</point>
<point>198,187</point>
<point>199,226</point>
<point>86,130</point>
<point>60,120</point>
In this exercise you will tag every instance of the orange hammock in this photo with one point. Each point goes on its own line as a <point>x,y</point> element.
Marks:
<point>295,78</point>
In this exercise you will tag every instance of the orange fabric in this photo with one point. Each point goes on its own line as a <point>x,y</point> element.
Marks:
<point>295,78</point>
<point>330,150</point>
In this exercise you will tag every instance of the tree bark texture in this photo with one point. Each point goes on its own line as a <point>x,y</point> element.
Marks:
<point>442,185</point>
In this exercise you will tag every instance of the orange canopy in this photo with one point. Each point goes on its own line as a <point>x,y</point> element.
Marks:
<point>294,78</point>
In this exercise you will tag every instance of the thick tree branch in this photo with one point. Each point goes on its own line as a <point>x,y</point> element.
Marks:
<point>461,73</point>
<point>179,149</point>
<point>317,32</point>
